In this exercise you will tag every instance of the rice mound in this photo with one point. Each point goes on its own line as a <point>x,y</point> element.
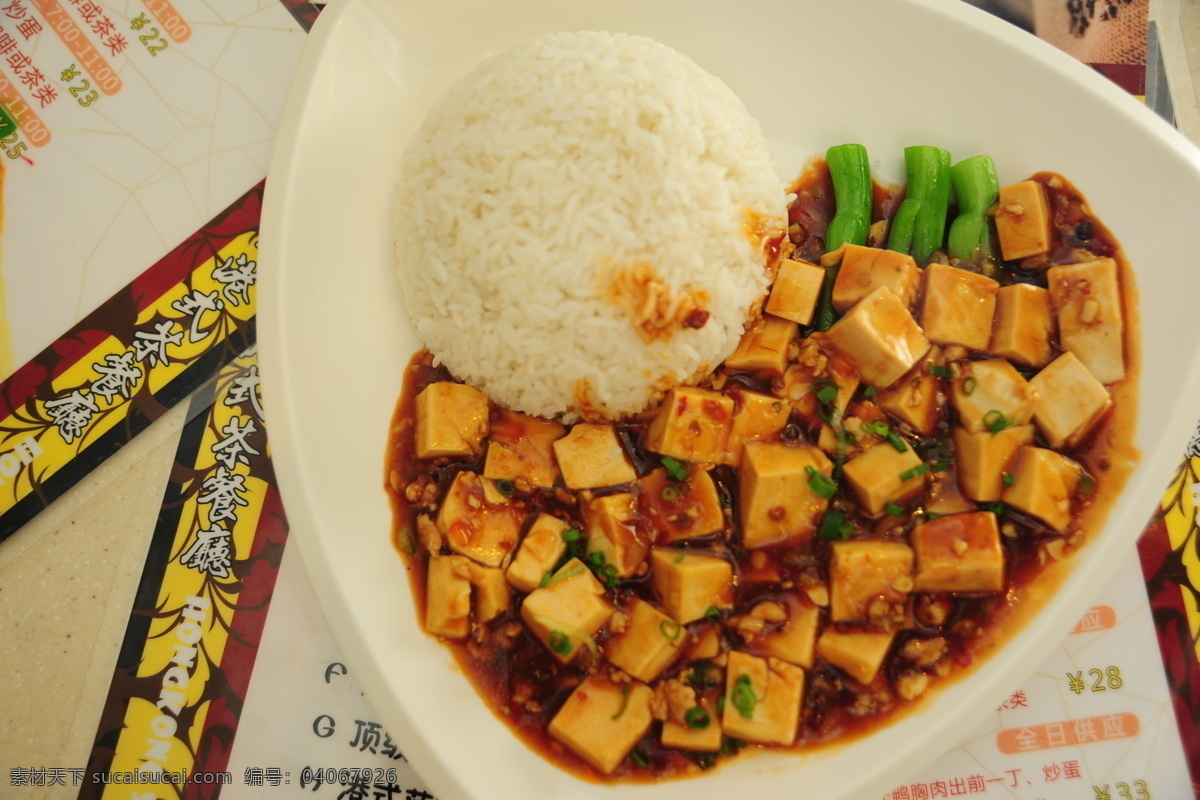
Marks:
<point>585,221</point>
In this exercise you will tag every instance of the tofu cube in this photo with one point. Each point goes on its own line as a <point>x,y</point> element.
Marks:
<point>762,699</point>
<point>914,400</point>
<point>797,640</point>
<point>881,337</point>
<point>959,553</point>
<point>688,584</point>
<point>448,597</point>
<point>540,550</point>
<point>797,287</point>
<point>958,306</point>
<point>1044,484</point>
<point>1023,220</point>
<point>1087,302</point>
<point>648,644</point>
<point>864,269</point>
<point>704,642</point>
<point>612,532</point>
<point>601,722</point>
<point>566,613</point>
<point>881,475</point>
<point>858,653</point>
<point>522,447</point>
<point>990,394</point>
<point>777,503</point>
<point>1070,401</point>
<point>490,591</point>
<point>684,737</point>
<point>591,457</point>
<point>982,459</point>
<point>452,420</point>
<point>868,579</point>
<point>763,349</point>
<point>1023,330</point>
<point>478,521</point>
<point>692,425</point>
<point>756,416</point>
<point>679,510</point>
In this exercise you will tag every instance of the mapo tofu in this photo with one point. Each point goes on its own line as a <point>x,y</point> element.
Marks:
<point>808,539</point>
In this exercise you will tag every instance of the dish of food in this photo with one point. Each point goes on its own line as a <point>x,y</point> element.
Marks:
<point>329,461</point>
<point>845,513</point>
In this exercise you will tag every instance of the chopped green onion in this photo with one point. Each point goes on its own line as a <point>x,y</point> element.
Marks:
<point>941,465</point>
<point>869,392</point>
<point>505,487</point>
<point>875,428</point>
<point>702,760</point>
<point>895,509</point>
<point>834,527</point>
<point>1008,478</point>
<point>895,441</point>
<point>675,469</point>
<point>570,535</point>
<point>639,758</point>
<point>920,469</point>
<point>545,581</point>
<point>560,642</point>
<point>698,676</point>
<point>940,371</point>
<point>1086,487</point>
<point>730,745</point>
<point>968,384</point>
<point>670,494</point>
<point>713,614</point>
<point>931,516</point>
<point>670,629</point>
<point>826,390</point>
<point>721,705</point>
<point>624,702</point>
<point>697,718</point>
<point>821,484</point>
<point>995,421</point>
<point>678,559</point>
<point>999,509</point>
<point>563,575</point>
<point>744,699</point>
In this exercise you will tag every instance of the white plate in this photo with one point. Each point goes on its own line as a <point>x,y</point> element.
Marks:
<point>887,73</point>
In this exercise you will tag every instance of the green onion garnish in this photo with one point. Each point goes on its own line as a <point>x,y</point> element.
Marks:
<point>834,527</point>
<point>995,421</point>
<point>670,494</point>
<point>675,469</point>
<point>1008,478</point>
<point>505,487</point>
<point>895,509</point>
<point>639,758</point>
<point>713,614</point>
<point>940,371</point>
<point>826,390</point>
<point>560,642</point>
<point>696,717</point>
<point>743,698</point>
<point>869,392</point>
<point>919,469</point>
<point>670,629</point>
<point>821,484</point>
<point>571,534</point>
<point>895,441</point>
<point>624,702</point>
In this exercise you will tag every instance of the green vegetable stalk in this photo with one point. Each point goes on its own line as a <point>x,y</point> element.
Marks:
<point>853,194</point>
<point>919,225</point>
<point>977,188</point>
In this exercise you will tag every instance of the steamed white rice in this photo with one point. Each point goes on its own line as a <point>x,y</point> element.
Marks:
<point>558,170</point>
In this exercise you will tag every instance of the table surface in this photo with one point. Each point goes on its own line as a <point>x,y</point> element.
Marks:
<point>68,577</point>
